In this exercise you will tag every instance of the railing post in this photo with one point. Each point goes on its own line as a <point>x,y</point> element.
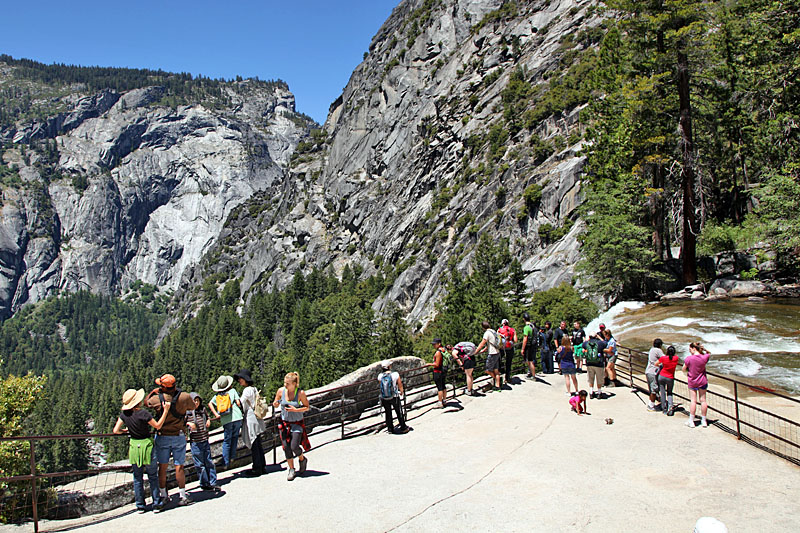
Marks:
<point>630,367</point>
<point>736,403</point>
<point>34,497</point>
<point>274,439</point>
<point>341,413</point>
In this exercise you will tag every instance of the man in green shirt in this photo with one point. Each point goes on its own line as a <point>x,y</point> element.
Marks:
<point>530,345</point>
<point>227,408</point>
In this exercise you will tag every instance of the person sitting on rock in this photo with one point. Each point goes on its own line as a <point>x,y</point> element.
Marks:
<point>390,386</point>
<point>171,440</point>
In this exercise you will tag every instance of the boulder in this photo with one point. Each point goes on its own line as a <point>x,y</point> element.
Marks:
<point>741,288</point>
<point>698,295</point>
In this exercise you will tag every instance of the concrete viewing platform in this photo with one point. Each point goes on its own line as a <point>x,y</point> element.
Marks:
<point>518,460</point>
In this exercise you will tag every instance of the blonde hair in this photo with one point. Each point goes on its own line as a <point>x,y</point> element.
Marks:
<point>293,377</point>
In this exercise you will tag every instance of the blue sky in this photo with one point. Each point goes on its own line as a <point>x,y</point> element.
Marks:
<point>313,45</point>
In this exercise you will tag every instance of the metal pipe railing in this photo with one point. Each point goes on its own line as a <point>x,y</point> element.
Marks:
<point>354,407</point>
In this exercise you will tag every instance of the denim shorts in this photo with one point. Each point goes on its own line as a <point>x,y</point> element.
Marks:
<point>174,445</point>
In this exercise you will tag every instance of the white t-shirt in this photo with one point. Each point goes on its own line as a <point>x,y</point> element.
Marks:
<point>248,398</point>
<point>492,341</point>
<point>395,377</point>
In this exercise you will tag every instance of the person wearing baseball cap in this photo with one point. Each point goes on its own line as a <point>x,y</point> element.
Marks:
<point>136,422</point>
<point>170,440</point>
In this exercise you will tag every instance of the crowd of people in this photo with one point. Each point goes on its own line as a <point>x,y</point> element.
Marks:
<point>552,350</point>
<point>181,417</point>
<point>570,352</point>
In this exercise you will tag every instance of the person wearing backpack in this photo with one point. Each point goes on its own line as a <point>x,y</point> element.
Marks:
<point>390,388</point>
<point>253,427</point>
<point>170,440</point>
<point>198,422</point>
<point>441,362</point>
<point>227,408</point>
<point>464,353</point>
<point>508,338</point>
<point>595,365</point>
<point>548,348</point>
<point>530,345</point>
<point>491,344</point>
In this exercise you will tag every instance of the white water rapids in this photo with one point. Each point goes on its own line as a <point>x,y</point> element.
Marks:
<point>758,340</point>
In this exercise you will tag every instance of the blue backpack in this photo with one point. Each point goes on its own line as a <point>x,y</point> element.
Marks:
<point>387,386</point>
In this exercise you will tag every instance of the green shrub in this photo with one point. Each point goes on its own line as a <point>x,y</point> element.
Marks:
<point>749,274</point>
<point>716,238</point>
<point>532,195</point>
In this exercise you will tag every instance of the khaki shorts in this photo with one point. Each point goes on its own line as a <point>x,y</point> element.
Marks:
<point>596,374</point>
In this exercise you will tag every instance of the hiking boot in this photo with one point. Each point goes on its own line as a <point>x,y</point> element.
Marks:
<point>158,507</point>
<point>404,430</point>
<point>141,510</point>
<point>303,463</point>
<point>183,502</point>
<point>291,475</point>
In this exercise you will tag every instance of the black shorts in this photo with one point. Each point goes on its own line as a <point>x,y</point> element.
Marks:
<point>439,378</point>
<point>469,362</point>
<point>529,354</point>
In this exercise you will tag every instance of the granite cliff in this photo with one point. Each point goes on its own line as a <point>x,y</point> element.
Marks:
<point>428,147</point>
<point>416,160</point>
<point>126,186</point>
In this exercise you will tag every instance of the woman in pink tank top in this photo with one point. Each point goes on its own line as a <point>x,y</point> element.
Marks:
<point>695,366</point>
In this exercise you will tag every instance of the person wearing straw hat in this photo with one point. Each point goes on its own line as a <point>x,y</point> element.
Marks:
<point>227,408</point>
<point>253,426</point>
<point>141,451</point>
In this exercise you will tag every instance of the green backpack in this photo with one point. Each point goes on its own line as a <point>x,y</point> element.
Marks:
<point>592,353</point>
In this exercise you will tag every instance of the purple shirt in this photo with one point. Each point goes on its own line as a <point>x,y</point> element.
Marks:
<point>696,367</point>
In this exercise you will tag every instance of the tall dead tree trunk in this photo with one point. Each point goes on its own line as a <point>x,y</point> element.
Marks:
<point>689,241</point>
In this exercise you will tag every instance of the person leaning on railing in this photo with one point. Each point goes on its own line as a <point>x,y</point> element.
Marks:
<point>390,385</point>
<point>695,367</point>
<point>141,451</point>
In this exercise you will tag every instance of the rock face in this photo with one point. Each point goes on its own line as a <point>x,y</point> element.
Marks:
<point>134,190</point>
<point>417,162</point>
<point>418,159</point>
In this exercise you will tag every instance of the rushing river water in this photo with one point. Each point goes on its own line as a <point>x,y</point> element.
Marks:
<point>753,339</point>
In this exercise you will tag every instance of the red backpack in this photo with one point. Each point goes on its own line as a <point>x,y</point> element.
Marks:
<point>506,336</point>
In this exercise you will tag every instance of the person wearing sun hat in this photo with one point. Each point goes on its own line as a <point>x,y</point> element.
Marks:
<point>253,426</point>
<point>226,407</point>
<point>141,452</point>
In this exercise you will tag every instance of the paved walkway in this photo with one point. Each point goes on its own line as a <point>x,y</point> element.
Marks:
<point>519,460</point>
